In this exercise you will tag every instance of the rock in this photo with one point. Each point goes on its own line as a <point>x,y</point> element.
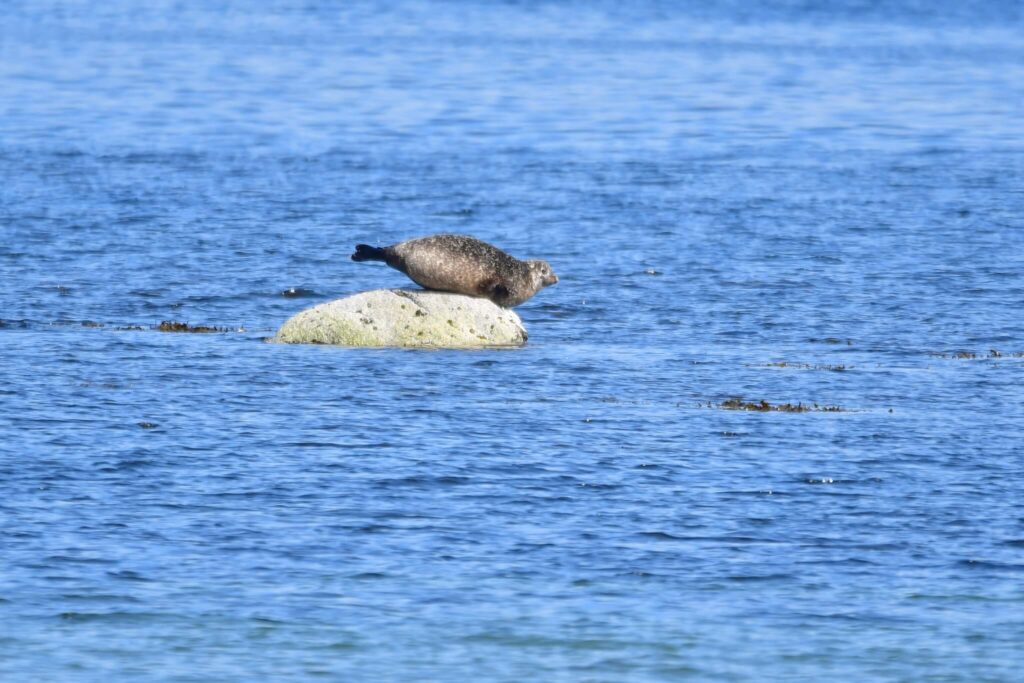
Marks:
<point>403,317</point>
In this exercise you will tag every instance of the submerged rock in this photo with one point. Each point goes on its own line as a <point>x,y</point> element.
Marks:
<point>402,317</point>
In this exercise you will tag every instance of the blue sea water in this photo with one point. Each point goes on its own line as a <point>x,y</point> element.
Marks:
<point>782,201</point>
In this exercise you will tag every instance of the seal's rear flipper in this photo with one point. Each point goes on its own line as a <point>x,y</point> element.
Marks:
<point>364,252</point>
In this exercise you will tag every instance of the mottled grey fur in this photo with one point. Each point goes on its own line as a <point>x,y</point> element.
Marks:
<point>465,265</point>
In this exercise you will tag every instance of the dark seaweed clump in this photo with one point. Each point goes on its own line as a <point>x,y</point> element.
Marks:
<point>766,407</point>
<point>831,340</point>
<point>171,326</point>
<point>296,292</point>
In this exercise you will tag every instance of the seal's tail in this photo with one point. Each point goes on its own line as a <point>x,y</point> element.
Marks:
<point>364,252</point>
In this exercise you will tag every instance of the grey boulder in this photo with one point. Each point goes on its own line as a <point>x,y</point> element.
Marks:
<point>405,318</point>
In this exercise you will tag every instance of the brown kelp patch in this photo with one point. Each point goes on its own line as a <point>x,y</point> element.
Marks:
<point>172,326</point>
<point>763,406</point>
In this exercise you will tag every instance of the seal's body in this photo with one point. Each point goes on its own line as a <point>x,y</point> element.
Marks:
<point>465,265</point>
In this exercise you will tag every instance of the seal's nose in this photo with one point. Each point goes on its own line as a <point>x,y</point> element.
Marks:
<point>551,279</point>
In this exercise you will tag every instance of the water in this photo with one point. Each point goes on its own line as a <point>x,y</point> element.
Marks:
<point>772,201</point>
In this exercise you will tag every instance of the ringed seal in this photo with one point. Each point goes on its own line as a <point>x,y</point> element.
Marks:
<point>464,265</point>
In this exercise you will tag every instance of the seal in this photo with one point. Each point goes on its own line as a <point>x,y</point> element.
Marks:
<point>464,265</point>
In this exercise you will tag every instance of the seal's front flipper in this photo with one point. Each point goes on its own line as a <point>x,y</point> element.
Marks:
<point>364,252</point>
<point>493,289</point>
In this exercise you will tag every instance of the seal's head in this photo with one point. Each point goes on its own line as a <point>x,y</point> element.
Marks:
<point>542,273</point>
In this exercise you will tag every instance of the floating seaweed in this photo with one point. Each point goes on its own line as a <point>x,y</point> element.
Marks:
<point>972,355</point>
<point>172,326</point>
<point>805,366</point>
<point>763,406</point>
